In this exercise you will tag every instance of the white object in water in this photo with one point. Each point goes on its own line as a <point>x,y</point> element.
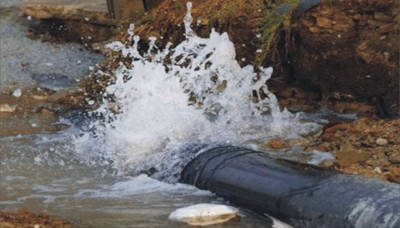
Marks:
<point>204,214</point>
<point>278,223</point>
<point>17,93</point>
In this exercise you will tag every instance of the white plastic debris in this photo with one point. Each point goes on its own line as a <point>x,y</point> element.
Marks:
<point>204,214</point>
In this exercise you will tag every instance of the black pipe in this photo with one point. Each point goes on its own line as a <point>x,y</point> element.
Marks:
<point>301,195</point>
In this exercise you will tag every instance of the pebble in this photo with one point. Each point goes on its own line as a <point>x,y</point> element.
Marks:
<point>378,170</point>
<point>314,29</point>
<point>381,142</point>
<point>276,144</point>
<point>324,22</point>
<point>17,93</point>
<point>204,214</point>
<point>6,108</point>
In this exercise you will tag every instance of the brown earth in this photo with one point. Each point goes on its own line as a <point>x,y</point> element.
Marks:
<point>341,55</point>
<point>338,55</point>
<point>26,219</point>
<point>344,51</point>
<point>368,147</point>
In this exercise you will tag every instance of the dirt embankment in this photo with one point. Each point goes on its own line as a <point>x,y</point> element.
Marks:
<point>344,51</point>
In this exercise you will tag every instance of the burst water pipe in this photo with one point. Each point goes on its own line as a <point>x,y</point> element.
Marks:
<point>301,195</point>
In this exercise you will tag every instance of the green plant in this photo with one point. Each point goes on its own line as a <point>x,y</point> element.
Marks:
<point>178,5</point>
<point>272,20</point>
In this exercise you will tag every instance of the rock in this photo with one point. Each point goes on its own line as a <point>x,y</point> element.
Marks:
<point>314,29</point>
<point>382,17</point>
<point>357,17</point>
<point>376,23</point>
<point>6,108</point>
<point>324,22</point>
<point>17,93</point>
<point>378,170</point>
<point>381,142</point>
<point>204,214</point>
<point>276,144</point>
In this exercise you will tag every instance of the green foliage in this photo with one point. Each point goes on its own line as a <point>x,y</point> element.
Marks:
<point>178,5</point>
<point>145,19</point>
<point>221,15</point>
<point>272,19</point>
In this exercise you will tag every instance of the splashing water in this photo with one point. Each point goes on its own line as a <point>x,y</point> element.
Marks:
<point>192,95</point>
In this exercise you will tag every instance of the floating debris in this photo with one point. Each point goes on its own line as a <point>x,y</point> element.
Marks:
<point>204,214</point>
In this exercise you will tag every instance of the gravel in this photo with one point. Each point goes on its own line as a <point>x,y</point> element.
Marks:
<point>21,58</point>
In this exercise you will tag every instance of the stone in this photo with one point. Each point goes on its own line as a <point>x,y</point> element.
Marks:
<point>17,93</point>
<point>204,214</point>
<point>324,22</point>
<point>357,17</point>
<point>6,108</point>
<point>383,17</point>
<point>276,144</point>
<point>381,142</point>
<point>376,23</point>
<point>314,29</point>
<point>378,170</point>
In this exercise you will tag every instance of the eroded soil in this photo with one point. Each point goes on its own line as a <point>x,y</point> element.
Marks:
<point>26,219</point>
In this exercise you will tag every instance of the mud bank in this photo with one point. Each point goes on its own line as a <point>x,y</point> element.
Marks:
<point>342,56</point>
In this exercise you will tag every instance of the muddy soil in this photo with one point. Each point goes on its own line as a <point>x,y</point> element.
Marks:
<point>23,218</point>
<point>368,147</point>
<point>342,55</point>
<point>344,50</point>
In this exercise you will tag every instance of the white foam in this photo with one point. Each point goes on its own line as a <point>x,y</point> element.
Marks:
<point>195,92</point>
<point>140,185</point>
<point>319,157</point>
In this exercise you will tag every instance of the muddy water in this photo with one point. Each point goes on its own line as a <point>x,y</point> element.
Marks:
<point>25,62</point>
<point>42,171</point>
<point>42,174</point>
